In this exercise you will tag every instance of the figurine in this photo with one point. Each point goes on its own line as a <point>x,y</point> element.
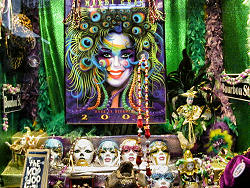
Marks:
<point>82,152</point>
<point>189,170</point>
<point>108,153</point>
<point>29,140</point>
<point>159,153</point>
<point>129,150</point>
<point>190,114</point>
<point>125,176</point>
<point>56,151</point>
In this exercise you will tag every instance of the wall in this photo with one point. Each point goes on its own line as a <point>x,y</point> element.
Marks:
<point>236,60</point>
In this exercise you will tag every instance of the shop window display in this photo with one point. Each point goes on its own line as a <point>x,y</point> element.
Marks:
<point>167,129</point>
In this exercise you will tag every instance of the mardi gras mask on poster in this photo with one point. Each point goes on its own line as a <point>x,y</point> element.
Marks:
<point>83,152</point>
<point>159,153</point>
<point>108,153</point>
<point>162,179</point>
<point>56,148</point>
<point>129,150</point>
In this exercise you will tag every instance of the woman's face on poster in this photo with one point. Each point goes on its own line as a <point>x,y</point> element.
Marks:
<point>115,53</point>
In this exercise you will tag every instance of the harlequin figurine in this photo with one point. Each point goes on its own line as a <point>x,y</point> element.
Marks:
<point>189,170</point>
<point>190,114</point>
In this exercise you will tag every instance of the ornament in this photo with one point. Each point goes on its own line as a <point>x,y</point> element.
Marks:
<point>33,61</point>
<point>5,122</point>
<point>239,169</point>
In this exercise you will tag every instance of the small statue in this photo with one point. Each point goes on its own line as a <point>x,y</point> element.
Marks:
<point>190,114</point>
<point>189,170</point>
<point>27,141</point>
<point>125,176</point>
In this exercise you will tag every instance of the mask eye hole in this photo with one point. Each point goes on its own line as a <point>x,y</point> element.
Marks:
<point>88,151</point>
<point>105,24</point>
<point>77,151</point>
<point>126,24</point>
<point>146,44</point>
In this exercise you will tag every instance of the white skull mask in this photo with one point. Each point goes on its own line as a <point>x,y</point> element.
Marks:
<point>159,153</point>
<point>56,150</point>
<point>130,149</point>
<point>108,153</point>
<point>83,151</point>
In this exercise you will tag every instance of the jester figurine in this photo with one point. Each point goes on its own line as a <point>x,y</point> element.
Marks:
<point>189,169</point>
<point>188,117</point>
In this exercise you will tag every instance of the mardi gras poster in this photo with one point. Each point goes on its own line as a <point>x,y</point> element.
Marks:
<point>105,78</point>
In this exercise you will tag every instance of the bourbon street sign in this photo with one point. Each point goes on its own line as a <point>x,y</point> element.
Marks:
<point>11,98</point>
<point>240,91</point>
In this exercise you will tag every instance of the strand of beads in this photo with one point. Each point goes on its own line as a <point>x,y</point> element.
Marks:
<point>5,122</point>
<point>154,14</point>
<point>147,126</point>
<point>10,89</point>
<point>238,79</point>
<point>139,117</point>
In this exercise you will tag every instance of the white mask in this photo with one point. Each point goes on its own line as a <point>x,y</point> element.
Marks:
<point>129,149</point>
<point>56,151</point>
<point>108,153</point>
<point>83,152</point>
<point>159,153</point>
<point>162,180</point>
